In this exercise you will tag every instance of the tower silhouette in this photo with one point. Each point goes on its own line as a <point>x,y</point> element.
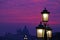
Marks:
<point>25,31</point>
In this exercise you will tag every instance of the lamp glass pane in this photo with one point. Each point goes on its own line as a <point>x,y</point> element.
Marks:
<point>40,32</point>
<point>45,17</point>
<point>49,34</point>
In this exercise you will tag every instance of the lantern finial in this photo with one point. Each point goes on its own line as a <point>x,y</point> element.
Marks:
<point>41,23</point>
<point>45,8</point>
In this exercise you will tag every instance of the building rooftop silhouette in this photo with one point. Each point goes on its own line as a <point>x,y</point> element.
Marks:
<point>20,35</point>
<point>25,35</point>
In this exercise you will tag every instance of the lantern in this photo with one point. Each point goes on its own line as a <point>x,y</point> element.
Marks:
<point>40,31</point>
<point>49,33</point>
<point>45,15</point>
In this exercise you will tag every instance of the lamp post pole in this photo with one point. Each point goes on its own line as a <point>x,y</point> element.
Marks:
<point>45,15</point>
<point>45,34</point>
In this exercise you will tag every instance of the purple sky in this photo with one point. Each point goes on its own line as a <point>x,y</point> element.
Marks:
<point>28,11</point>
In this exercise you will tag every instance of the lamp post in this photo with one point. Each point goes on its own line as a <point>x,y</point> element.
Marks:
<point>40,31</point>
<point>43,31</point>
<point>45,15</point>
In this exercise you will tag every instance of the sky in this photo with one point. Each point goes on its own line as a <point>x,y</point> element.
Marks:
<point>28,11</point>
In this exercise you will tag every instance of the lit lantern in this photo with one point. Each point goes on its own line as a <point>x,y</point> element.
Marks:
<point>40,31</point>
<point>49,33</point>
<point>45,15</point>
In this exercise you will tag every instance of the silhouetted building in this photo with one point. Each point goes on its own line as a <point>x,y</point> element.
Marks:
<point>20,35</point>
<point>56,36</point>
<point>25,35</point>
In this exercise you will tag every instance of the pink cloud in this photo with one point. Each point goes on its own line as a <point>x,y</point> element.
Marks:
<point>27,11</point>
<point>40,1</point>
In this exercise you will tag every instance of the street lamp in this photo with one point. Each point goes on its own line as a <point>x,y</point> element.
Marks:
<point>45,16</point>
<point>40,31</point>
<point>44,32</point>
<point>49,33</point>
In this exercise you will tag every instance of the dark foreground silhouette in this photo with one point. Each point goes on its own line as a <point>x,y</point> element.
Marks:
<point>24,34</point>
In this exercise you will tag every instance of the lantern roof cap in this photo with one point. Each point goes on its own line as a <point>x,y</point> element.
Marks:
<point>45,11</point>
<point>48,28</point>
<point>40,26</point>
